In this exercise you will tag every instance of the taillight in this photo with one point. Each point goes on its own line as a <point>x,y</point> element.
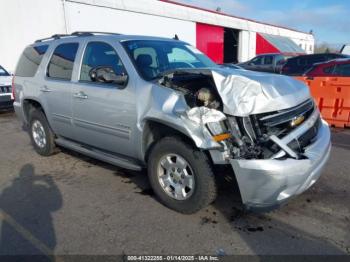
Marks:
<point>13,88</point>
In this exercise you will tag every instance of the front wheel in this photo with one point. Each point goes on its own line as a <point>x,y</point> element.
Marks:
<point>181,175</point>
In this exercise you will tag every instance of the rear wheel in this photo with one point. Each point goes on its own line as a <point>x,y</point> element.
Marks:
<point>41,134</point>
<point>181,175</point>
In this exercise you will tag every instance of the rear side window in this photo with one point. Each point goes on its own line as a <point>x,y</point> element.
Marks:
<point>30,60</point>
<point>62,61</point>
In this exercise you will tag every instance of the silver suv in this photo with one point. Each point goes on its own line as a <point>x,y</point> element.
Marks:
<point>136,102</point>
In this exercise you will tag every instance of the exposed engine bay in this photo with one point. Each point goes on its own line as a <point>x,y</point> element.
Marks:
<point>198,89</point>
<point>251,136</point>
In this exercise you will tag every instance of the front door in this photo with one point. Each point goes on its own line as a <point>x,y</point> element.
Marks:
<point>104,112</point>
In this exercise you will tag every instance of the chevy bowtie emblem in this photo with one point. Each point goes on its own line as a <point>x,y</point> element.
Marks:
<point>297,121</point>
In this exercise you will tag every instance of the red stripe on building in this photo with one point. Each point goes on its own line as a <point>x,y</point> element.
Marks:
<point>263,46</point>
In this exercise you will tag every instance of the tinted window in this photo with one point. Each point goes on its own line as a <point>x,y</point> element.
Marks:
<point>257,61</point>
<point>317,59</point>
<point>302,61</point>
<point>280,59</point>
<point>98,54</point>
<point>3,72</point>
<point>342,70</point>
<point>30,60</point>
<point>62,61</point>
<point>268,60</point>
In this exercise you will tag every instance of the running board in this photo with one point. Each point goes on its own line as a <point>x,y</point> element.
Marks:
<point>98,154</point>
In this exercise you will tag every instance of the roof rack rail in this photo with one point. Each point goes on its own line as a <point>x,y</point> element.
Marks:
<point>87,33</point>
<point>56,36</point>
<point>77,34</point>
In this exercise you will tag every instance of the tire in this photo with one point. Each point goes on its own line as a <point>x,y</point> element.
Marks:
<point>203,191</point>
<point>38,121</point>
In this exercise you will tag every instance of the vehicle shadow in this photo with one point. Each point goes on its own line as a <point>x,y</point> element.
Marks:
<point>263,233</point>
<point>26,208</point>
<point>270,233</point>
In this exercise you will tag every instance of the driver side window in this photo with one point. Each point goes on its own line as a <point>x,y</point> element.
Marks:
<point>99,54</point>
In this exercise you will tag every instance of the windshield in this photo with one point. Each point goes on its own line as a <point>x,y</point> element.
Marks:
<point>153,57</point>
<point>3,72</point>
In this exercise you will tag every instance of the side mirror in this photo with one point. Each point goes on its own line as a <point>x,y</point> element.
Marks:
<point>107,75</point>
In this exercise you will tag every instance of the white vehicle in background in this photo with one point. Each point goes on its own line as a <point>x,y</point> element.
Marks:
<point>6,99</point>
<point>345,49</point>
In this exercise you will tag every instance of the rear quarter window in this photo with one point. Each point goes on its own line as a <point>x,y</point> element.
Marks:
<point>30,60</point>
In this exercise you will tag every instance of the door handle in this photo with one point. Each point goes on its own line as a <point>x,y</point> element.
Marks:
<point>80,95</point>
<point>45,89</point>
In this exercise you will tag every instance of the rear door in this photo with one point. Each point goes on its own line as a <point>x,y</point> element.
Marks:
<point>56,90</point>
<point>104,113</point>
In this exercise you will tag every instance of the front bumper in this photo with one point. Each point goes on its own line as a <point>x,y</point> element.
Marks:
<point>6,101</point>
<point>267,183</point>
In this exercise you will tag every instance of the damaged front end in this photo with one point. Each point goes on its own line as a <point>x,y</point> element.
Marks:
<point>266,127</point>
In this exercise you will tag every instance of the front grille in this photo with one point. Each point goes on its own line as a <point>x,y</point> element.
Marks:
<point>307,138</point>
<point>286,116</point>
<point>5,89</point>
<point>279,123</point>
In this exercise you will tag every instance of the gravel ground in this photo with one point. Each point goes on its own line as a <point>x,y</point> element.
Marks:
<point>69,204</point>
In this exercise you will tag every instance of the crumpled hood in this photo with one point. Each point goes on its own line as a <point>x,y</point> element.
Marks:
<point>248,92</point>
<point>5,80</point>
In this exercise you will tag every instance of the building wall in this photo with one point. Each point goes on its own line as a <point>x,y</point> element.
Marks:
<point>247,45</point>
<point>81,17</point>
<point>22,22</point>
<point>36,19</point>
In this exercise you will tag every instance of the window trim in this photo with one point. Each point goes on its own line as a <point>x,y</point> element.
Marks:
<point>49,60</point>
<point>103,85</point>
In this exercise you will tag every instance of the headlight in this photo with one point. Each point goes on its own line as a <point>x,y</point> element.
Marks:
<point>217,128</point>
<point>219,131</point>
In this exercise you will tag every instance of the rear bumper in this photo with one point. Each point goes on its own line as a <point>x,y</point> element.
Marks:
<point>266,184</point>
<point>19,111</point>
